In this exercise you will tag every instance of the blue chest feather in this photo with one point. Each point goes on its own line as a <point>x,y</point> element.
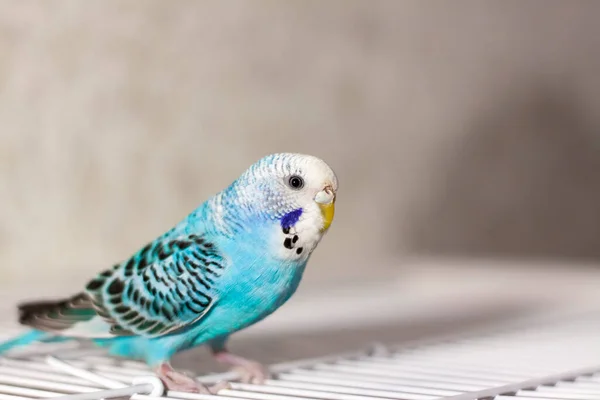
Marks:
<point>252,284</point>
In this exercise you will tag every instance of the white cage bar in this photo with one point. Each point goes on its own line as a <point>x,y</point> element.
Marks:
<point>553,360</point>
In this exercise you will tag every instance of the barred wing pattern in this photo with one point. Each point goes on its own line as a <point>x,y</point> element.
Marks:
<point>166,286</point>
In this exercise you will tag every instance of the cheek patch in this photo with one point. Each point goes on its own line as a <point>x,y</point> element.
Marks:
<point>290,219</point>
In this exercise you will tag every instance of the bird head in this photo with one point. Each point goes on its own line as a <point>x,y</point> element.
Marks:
<point>296,192</point>
<point>289,187</point>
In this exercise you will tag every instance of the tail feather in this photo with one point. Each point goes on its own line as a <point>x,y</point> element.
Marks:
<point>24,339</point>
<point>50,320</point>
<point>56,315</point>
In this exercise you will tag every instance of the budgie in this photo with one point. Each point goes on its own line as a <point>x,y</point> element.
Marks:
<point>230,263</point>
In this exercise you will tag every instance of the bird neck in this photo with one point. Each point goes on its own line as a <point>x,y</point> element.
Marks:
<point>226,213</point>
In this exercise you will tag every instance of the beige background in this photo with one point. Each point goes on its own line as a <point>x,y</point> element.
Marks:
<point>456,128</point>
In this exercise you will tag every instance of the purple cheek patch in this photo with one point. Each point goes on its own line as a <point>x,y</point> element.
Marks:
<point>290,219</point>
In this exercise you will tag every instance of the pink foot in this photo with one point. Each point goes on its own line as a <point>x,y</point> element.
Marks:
<point>180,382</point>
<point>250,371</point>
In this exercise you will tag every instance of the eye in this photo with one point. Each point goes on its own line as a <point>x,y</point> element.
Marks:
<point>296,182</point>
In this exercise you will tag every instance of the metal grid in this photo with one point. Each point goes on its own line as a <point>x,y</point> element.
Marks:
<point>559,360</point>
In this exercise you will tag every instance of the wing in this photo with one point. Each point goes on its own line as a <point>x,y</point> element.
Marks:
<point>166,286</point>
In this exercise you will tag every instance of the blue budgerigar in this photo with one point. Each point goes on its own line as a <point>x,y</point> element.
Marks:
<point>230,263</point>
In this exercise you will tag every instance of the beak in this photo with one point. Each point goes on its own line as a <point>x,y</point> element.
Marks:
<point>326,200</point>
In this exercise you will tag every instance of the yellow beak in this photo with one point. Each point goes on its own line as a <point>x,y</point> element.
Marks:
<point>326,200</point>
<point>328,210</point>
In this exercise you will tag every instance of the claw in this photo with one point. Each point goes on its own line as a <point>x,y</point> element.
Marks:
<point>252,373</point>
<point>180,382</point>
<point>249,371</point>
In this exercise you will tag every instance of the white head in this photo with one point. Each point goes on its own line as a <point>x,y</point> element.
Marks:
<point>296,192</point>
<point>286,182</point>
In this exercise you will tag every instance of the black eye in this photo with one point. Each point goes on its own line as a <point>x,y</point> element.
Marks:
<point>296,182</point>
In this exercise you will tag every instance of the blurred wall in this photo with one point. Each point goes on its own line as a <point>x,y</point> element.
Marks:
<point>458,128</point>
